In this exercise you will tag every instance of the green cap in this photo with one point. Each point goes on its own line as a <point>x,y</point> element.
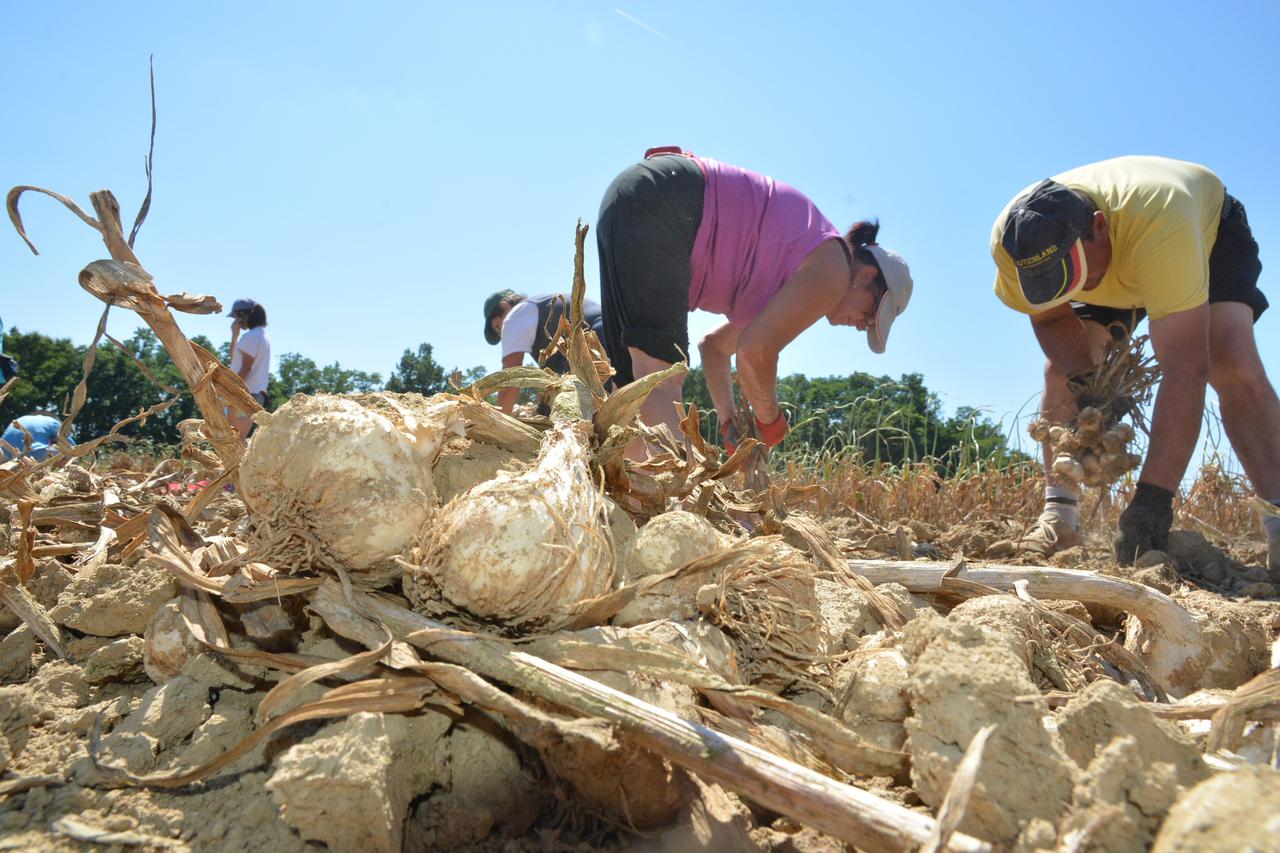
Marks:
<point>490,308</point>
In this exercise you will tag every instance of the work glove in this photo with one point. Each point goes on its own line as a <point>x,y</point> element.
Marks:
<point>771,434</point>
<point>1144,525</point>
<point>732,437</point>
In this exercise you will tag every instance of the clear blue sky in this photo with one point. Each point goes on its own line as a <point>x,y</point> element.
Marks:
<point>370,176</point>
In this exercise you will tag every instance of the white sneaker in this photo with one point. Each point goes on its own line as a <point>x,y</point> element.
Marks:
<point>1050,533</point>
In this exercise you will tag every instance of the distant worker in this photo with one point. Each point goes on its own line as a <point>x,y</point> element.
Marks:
<point>8,364</point>
<point>525,324</point>
<point>1109,243</point>
<point>679,232</point>
<point>43,432</point>
<point>250,355</point>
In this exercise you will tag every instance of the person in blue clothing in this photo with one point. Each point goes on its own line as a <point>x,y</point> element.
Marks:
<point>44,437</point>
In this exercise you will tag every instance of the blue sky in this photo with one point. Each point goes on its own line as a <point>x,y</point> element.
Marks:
<point>370,176</point>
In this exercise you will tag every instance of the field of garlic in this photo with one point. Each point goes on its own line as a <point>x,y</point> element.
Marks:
<point>395,622</point>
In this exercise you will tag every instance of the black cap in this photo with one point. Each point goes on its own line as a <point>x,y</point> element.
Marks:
<point>1042,234</point>
<point>491,308</point>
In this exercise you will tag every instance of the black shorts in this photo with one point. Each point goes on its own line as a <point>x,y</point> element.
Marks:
<point>1234,268</point>
<point>649,218</point>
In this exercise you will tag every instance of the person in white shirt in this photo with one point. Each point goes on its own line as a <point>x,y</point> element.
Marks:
<point>525,324</point>
<point>250,355</point>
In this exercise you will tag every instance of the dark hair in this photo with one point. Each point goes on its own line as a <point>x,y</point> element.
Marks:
<point>255,316</point>
<point>858,236</point>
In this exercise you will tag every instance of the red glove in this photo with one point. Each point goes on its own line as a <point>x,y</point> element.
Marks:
<point>772,434</point>
<point>731,437</point>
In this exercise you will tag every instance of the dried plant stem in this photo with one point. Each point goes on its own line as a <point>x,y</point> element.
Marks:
<point>105,279</point>
<point>848,813</point>
<point>1178,649</point>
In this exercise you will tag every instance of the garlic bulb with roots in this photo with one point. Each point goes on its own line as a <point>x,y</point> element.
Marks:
<point>519,550</point>
<point>1092,450</point>
<point>340,481</point>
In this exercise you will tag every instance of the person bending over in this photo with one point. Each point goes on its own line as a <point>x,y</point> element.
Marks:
<point>1115,241</point>
<point>679,232</point>
<point>525,324</point>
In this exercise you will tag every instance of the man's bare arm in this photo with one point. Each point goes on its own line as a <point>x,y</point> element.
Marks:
<point>1062,338</point>
<point>507,396</point>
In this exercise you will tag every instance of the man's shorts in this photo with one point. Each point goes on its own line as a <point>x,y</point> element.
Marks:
<point>648,221</point>
<point>1234,268</point>
<point>261,397</point>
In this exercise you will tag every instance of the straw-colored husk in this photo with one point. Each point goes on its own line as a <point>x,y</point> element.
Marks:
<point>332,482</point>
<point>519,550</point>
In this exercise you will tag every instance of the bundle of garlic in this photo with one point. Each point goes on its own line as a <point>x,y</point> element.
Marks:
<point>519,551</point>
<point>1090,451</point>
<point>344,481</point>
<point>1094,450</point>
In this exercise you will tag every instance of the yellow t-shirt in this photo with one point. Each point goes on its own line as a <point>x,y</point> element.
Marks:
<point>1163,216</point>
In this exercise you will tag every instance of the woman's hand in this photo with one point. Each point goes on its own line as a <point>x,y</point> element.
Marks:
<point>772,432</point>
<point>732,438</point>
<point>717,350</point>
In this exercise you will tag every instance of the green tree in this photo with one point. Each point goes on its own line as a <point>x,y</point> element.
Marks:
<point>297,374</point>
<point>48,370</point>
<point>473,374</point>
<point>418,372</point>
<point>877,417</point>
<point>117,388</point>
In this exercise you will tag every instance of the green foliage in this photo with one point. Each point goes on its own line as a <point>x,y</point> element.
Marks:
<point>472,375</point>
<point>118,389</point>
<point>860,416</point>
<point>420,372</point>
<point>49,370</point>
<point>297,374</point>
<point>877,418</point>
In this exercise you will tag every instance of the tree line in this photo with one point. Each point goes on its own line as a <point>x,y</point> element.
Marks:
<point>49,369</point>
<point>878,417</point>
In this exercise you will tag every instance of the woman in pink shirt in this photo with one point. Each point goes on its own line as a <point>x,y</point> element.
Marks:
<point>678,232</point>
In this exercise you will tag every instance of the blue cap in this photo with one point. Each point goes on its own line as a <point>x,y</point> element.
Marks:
<point>242,305</point>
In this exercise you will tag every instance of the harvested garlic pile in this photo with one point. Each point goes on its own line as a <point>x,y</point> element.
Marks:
<point>1089,452</point>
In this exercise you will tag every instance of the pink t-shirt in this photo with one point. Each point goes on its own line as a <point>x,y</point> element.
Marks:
<point>754,235</point>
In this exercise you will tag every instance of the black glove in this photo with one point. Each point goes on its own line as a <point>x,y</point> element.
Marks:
<point>1144,525</point>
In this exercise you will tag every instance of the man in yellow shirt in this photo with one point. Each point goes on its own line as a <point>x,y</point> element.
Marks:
<point>1112,242</point>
